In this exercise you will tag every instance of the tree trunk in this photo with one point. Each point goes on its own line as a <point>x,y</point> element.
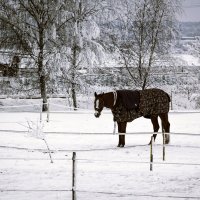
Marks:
<point>73,75</point>
<point>41,72</point>
<point>73,90</point>
<point>43,92</point>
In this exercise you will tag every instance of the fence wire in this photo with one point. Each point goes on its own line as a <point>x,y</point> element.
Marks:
<point>103,193</point>
<point>140,195</point>
<point>87,111</point>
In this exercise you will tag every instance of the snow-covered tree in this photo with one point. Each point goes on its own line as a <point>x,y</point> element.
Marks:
<point>78,41</point>
<point>148,28</point>
<point>60,36</point>
<point>28,26</point>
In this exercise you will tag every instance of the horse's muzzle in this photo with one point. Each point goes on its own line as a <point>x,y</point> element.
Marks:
<point>97,114</point>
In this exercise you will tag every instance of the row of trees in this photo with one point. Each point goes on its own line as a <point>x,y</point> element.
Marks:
<point>63,36</point>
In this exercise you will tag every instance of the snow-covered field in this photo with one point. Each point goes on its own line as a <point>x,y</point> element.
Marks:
<point>104,172</point>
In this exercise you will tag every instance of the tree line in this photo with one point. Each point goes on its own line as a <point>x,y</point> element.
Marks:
<point>64,36</point>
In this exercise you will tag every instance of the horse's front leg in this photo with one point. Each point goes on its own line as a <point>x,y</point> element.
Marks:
<point>121,129</point>
<point>154,121</point>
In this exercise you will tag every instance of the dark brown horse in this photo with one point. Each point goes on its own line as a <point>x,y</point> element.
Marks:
<point>127,105</point>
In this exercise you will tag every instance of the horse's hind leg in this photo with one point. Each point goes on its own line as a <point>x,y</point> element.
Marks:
<point>154,121</point>
<point>165,126</point>
<point>120,137</point>
<point>121,129</point>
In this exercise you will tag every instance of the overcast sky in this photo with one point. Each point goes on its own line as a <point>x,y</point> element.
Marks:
<point>191,11</point>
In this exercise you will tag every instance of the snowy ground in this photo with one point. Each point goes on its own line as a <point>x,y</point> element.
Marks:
<point>104,172</point>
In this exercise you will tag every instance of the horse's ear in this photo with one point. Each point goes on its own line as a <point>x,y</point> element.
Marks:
<point>95,94</point>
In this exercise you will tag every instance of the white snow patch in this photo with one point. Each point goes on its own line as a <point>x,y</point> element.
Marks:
<point>103,170</point>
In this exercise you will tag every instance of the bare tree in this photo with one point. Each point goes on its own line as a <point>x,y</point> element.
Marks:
<point>148,29</point>
<point>28,26</point>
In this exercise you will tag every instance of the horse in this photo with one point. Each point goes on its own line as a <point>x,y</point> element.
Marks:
<point>127,105</point>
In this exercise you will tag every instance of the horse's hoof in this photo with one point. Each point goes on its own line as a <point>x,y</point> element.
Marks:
<point>167,139</point>
<point>120,145</point>
<point>149,143</point>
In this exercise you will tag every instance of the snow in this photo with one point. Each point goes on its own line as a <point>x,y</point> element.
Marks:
<point>103,170</point>
<point>187,60</point>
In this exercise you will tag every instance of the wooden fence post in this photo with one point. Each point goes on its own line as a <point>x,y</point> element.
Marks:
<point>151,154</point>
<point>74,176</point>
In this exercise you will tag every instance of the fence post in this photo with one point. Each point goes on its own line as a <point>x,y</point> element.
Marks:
<point>163,145</point>
<point>151,154</point>
<point>74,176</point>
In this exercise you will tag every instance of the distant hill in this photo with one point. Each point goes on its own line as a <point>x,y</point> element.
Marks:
<point>190,29</point>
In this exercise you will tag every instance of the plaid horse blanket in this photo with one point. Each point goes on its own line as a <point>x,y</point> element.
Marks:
<point>149,102</point>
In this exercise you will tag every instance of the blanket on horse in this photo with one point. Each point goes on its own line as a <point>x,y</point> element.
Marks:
<point>151,102</point>
<point>129,98</point>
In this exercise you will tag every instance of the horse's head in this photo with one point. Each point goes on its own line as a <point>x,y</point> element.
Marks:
<point>98,104</point>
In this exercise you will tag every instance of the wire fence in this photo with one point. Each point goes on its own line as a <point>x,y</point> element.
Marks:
<point>117,194</point>
<point>74,190</point>
<point>101,161</point>
<point>69,109</point>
